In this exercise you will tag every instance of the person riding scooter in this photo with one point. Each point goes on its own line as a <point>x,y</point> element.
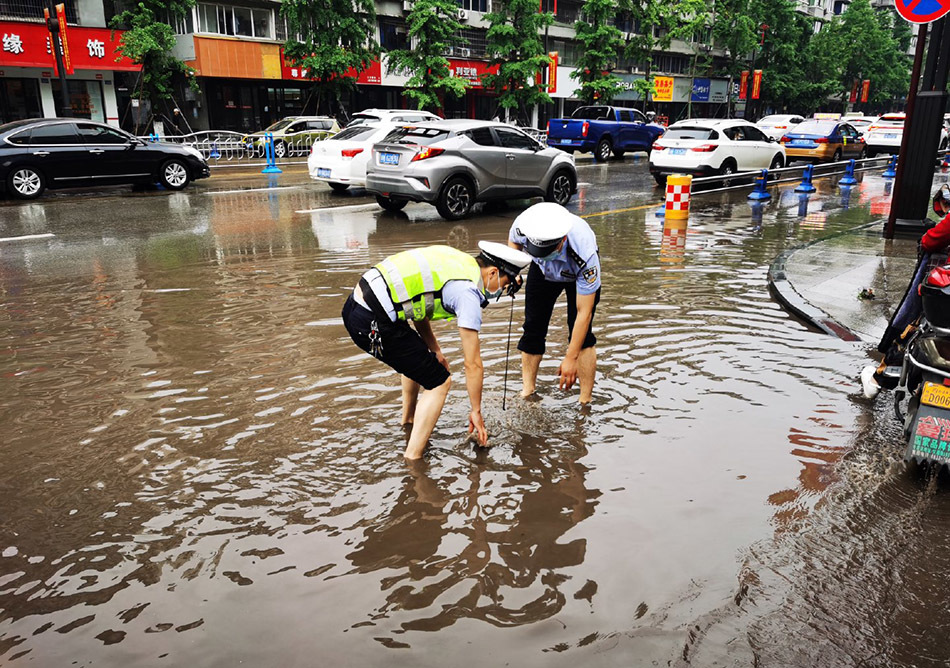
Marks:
<point>932,251</point>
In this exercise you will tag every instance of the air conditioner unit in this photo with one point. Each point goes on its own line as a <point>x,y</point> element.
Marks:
<point>463,14</point>
<point>407,5</point>
<point>463,52</point>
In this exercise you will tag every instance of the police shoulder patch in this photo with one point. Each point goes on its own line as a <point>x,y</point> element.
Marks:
<point>590,274</point>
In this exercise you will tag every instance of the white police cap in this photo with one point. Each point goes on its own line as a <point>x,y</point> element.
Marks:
<point>508,260</point>
<point>544,225</point>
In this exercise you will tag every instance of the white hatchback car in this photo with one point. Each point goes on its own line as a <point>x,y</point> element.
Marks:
<point>777,125</point>
<point>392,116</point>
<point>886,133</point>
<point>341,159</point>
<point>713,146</point>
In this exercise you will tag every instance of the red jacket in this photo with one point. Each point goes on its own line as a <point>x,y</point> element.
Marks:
<point>937,238</point>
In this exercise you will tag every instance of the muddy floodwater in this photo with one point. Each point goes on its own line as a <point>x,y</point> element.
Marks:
<point>199,468</point>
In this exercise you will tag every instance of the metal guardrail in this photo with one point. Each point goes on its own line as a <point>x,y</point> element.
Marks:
<point>786,174</point>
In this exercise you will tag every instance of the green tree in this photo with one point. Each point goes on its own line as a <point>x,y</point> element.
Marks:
<point>516,48</point>
<point>333,41</point>
<point>734,30</point>
<point>148,40</point>
<point>660,22</point>
<point>601,43</point>
<point>433,28</point>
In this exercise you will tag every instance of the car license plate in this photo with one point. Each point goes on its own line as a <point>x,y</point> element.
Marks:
<point>323,173</point>
<point>677,151</point>
<point>389,158</point>
<point>935,395</point>
<point>567,141</point>
<point>801,142</point>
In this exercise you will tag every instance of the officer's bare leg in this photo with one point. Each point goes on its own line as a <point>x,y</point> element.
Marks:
<point>529,373</point>
<point>427,413</point>
<point>410,396</point>
<point>586,370</point>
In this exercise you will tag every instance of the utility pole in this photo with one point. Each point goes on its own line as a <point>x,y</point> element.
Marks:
<point>52,24</point>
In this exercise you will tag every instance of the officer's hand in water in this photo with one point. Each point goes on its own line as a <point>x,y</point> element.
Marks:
<point>441,359</point>
<point>477,425</point>
<point>567,372</point>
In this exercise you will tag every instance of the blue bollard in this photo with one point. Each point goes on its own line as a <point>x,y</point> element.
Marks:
<point>215,153</point>
<point>271,167</point>
<point>806,186</point>
<point>891,171</point>
<point>846,197</point>
<point>848,178</point>
<point>153,136</point>
<point>803,205</point>
<point>760,193</point>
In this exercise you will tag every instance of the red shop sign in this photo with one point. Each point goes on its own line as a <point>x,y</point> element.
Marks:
<point>371,75</point>
<point>28,45</point>
<point>471,70</point>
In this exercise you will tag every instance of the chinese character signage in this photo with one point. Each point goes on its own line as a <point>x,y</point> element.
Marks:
<point>865,90</point>
<point>29,45</point>
<point>371,75</point>
<point>743,84</point>
<point>931,437</point>
<point>756,84</point>
<point>64,37</point>
<point>472,70</point>
<point>663,87</point>
<point>854,92</point>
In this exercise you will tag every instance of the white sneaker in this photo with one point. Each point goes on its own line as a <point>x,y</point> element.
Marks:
<point>871,388</point>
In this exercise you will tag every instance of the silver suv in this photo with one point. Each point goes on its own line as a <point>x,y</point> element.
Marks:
<point>455,163</point>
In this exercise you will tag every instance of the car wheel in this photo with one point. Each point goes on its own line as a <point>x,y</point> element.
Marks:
<point>456,199</point>
<point>777,162</point>
<point>561,188</point>
<point>618,153</point>
<point>339,187</point>
<point>602,152</point>
<point>863,154</point>
<point>728,168</point>
<point>837,156</point>
<point>660,179</point>
<point>174,174</point>
<point>870,153</point>
<point>390,204</point>
<point>26,183</point>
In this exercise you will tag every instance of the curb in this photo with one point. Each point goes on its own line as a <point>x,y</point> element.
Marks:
<point>790,299</point>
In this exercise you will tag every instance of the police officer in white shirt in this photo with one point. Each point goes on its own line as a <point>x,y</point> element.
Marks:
<point>565,258</point>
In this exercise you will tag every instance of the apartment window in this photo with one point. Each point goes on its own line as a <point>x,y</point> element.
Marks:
<point>670,64</point>
<point>474,5</point>
<point>32,10</point>
<point>392,35</point>
<point>242,21</point>
<point>567,52</point>
<point>473,44</point>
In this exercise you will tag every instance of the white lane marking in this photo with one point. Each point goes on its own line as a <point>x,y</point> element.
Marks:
<point>28,237</point>
<point>341,208</point>
<point>585,183</point>
<point>249,190</point>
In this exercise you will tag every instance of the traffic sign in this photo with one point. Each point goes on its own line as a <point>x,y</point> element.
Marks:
<point>922,11</point>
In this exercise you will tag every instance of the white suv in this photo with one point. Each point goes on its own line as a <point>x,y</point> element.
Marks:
<point>393,116</point>
<point>705,147</point>
<point>886,133</point>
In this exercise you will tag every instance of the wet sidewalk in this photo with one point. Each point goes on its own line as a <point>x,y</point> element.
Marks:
<point>822,282</point>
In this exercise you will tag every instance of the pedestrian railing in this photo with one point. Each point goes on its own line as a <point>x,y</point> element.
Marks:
<point>747,179</point>
<point>224,147</point>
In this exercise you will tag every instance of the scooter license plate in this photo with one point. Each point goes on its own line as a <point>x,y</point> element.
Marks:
<point>935,395</point>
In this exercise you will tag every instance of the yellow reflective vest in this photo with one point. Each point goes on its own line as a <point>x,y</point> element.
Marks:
<point>415,279</point>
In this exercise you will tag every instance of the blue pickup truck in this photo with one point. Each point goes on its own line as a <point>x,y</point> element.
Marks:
<point>603,130</point>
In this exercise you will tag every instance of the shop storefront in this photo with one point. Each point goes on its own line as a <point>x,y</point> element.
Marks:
<point>29,87</point>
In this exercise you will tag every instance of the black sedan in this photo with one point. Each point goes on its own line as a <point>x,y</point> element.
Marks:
<point>67,153</point>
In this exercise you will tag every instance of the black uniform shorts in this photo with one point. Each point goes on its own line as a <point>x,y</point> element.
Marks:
<point>540,295</point>
<point>394,343</point>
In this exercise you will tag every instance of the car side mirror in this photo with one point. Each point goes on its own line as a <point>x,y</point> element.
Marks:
<point>772,140</point>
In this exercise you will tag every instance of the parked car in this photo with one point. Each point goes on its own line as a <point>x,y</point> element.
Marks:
<point>886,133</point>
<point>777,125</point>
<point>293,135</point>
<point>706,147</point>
<point>341,160</point>
<point>603,130</point>
<point>823,141</point>
<point>65,153</point>
<point>453,164</point>
<point>860,123</point>
<point>392,116</point>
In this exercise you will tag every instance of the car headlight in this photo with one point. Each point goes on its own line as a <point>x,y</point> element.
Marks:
<point>193,151</point>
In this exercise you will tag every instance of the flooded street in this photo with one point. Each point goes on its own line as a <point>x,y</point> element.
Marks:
<point>201,469</point>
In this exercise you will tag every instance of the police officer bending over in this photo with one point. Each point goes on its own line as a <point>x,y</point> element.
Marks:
<point>565,255</point>
<point>432,283</point>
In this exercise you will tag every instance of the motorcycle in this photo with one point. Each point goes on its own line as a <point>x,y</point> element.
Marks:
<point>924,384</point>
